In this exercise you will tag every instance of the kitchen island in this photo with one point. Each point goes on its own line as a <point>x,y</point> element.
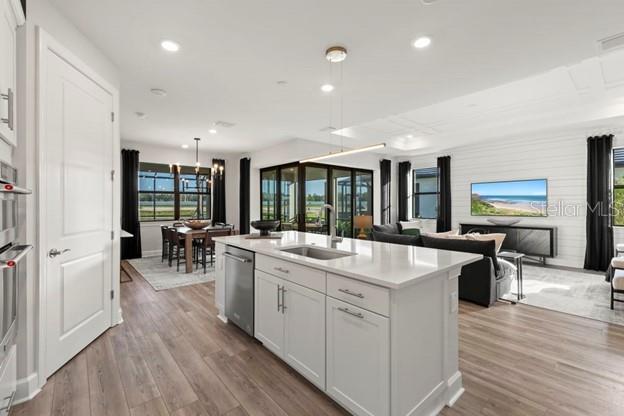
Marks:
<point>373,325</point>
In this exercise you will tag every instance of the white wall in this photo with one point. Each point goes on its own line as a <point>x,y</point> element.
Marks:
<point>150,231</point>
<point>40,13</point>
<point>560,157</point>
<point>298,149</point>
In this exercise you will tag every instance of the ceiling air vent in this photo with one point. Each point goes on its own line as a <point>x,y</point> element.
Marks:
<point>611,43</point>
<point>225,124</point>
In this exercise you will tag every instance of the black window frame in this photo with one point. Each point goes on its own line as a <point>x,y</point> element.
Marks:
<point>329,192</point>
<point>176,174</point>
<point>416,193</point>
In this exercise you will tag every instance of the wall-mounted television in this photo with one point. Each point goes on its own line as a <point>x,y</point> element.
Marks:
<point>523,198</point>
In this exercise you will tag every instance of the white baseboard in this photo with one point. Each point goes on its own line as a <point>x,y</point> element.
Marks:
<point>27,388</point>
<point>151,253</point>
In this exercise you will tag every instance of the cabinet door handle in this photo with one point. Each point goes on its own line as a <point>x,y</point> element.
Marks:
<point>348,292</point>
<point>278,298</point>
<point>10,101</point>
<point>279,269</point>
<point>283,300</point>
<point>356,314</point>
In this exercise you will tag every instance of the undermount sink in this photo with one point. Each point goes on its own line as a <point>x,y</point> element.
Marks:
<point>317,252</point>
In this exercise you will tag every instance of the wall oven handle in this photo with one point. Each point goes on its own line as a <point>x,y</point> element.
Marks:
<point>21,252</point>
<point>237,258</point>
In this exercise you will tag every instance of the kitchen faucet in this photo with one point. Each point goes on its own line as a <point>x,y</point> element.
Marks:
<point>332,223</point>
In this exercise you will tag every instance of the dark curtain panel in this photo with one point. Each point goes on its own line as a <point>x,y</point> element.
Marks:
<point>218,194</point>
<point>599,232</point>
<point>244,195</point>
<point>130,246</point>
<point>444,187</point>
<point>405,169</point>
<point>385,176</point>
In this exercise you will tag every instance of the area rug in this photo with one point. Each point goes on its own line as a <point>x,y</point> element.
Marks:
<point>161,277</point>
<point>571,291</point>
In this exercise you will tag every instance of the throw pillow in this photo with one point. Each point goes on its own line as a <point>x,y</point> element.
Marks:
<point>445,234</point>
<point>497,237</point>
<point>411,231</point>
<point>387,228</point>
<point>407,240</point>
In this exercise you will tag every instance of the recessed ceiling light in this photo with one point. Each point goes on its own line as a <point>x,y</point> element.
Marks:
<point>410,136</point>
<point>422,42</point>
<point>212,131</point>
<point>185,146</point>
<point>159,92</point>
<point>327,88</point>
<point>170,46</point>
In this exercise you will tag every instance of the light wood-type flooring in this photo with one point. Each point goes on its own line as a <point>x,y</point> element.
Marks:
<point>172,356</point>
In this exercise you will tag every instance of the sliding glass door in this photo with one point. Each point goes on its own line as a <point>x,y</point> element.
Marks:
<point>296,193</point>
<point>315,188</point>
<point>289,196</point>
<point>342,192</point>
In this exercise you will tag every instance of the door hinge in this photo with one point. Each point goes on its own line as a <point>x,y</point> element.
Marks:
<point>112,117</point>
<point>113,175</point>
<point>112,294</point>
<point>112,235</point>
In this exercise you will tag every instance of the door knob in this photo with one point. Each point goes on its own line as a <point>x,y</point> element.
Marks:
<point>55,252</point>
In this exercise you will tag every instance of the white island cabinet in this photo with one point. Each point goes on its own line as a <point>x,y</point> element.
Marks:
<point>375,329</point>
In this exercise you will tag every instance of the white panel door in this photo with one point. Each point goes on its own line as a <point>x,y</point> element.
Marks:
<point>358,359</point>
<point>304,329</point>
<point>78,188</point>
<point>268,314</point>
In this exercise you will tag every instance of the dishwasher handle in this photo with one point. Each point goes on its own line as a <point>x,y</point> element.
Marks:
<point>237,258</point>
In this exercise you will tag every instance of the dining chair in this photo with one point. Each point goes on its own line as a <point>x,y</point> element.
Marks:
<point>165,242</point>
<point>175,244</point>
<point>209,244</point>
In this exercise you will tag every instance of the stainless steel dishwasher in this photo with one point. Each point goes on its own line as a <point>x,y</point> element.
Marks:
<point>239,288</point>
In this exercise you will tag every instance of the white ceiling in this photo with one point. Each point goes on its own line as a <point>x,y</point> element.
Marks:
<point>589,94</point>
<point>233,52</point>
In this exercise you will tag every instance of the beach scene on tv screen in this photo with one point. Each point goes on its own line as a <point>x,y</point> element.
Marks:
<point>527,198</point>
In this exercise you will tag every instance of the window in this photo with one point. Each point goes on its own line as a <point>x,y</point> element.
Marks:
<point>618,186</point>
<point>425,193</point>
<point>166,195</point>
<point>301,189</point>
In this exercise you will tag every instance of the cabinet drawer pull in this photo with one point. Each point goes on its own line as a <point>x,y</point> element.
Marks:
<point>348,292</point>
<point>10,398</point>
<point>356,314</point>
<point>279,269</point>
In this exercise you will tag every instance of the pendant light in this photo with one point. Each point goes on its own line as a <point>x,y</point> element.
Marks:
<point>337,55</point>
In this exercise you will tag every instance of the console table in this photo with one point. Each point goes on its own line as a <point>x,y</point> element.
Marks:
<point>536,242</point>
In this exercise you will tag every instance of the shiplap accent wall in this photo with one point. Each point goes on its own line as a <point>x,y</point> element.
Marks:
<point>560,158</point>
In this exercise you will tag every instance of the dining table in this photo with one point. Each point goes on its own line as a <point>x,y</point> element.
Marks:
<point>189,235</point>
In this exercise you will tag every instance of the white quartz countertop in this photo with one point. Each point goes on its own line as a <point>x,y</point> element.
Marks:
<point>389,265</point>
